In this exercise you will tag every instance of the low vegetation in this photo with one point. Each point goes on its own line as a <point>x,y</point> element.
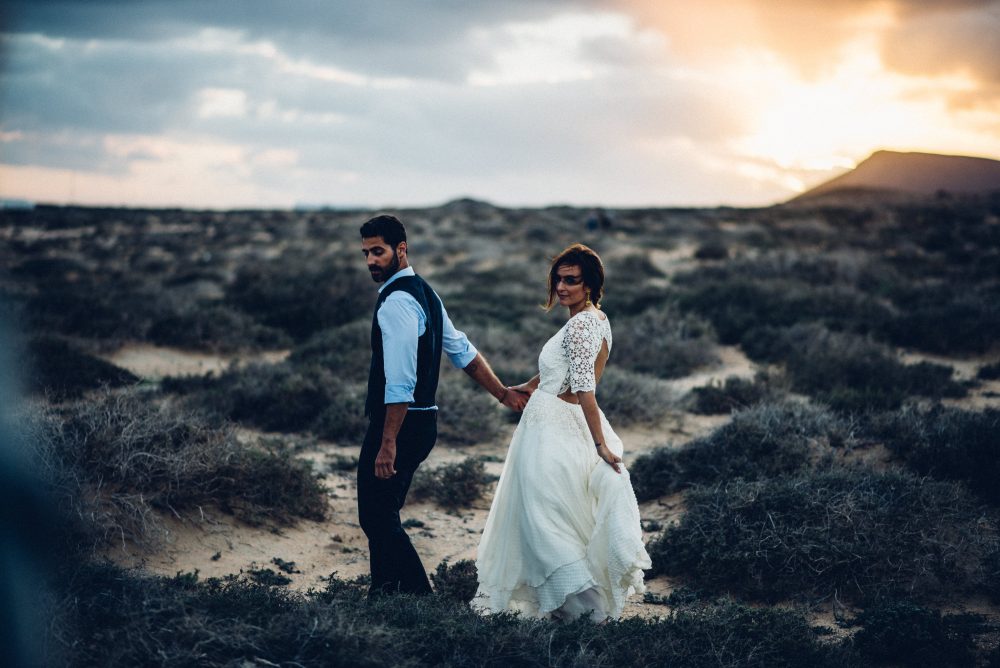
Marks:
<point>734,393</point>
<point>115,464</point>
<point>59,370</point>
<point>663,342</point>
<point>285,397</point>
<point>116,618</point>
<point>900,632</point>
<point>947,444</point>
<point>849,372</point>
<point>856,536</point>
<point>825,296</point>
<point>760,442</point>
<point>452,486</point>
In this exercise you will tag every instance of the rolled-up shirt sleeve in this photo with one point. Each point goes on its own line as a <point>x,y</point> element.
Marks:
<point>456,344</point>
<point>399,318</point>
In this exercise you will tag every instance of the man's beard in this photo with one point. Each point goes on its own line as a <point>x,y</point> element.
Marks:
<point>380,275</point>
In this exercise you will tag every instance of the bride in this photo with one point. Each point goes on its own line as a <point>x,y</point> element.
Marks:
<point>563,538</point>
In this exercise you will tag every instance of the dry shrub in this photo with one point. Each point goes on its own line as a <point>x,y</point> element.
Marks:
<point>847,371</point>
<point>452,486</point>
<point>734,393</point>
<point>62,371</point>
<point>112,617</point>
<point>116,463</point>
<point>287,397</point>
<point>763,441</point>
<point>457,582</point>
<point>948,444</point>
<point>468,413</point>
<point>900,632</point>
<point>633,398</point>
<point>663,342</point>
<point>857,536</point>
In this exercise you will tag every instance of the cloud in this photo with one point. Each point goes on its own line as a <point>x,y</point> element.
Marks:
<point>528,101</point>
<point>964,42</point>
<point>222,103</point>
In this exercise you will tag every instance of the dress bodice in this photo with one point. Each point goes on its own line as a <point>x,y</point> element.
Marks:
<point>567,359</point>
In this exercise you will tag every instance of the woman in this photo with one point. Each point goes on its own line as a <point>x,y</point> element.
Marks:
<point>563,537</point>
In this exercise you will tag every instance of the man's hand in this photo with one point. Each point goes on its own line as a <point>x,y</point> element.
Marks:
<point>385,461</point>
<point>515,399</point>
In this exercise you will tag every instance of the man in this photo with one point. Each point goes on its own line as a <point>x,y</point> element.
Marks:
<point>410,330</point>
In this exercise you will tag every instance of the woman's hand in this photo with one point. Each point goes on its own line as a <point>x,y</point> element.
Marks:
<point>526,388</point>
<point>611,458</point>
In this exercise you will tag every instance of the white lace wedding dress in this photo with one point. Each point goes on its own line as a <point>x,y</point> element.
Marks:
<point>563,537</point>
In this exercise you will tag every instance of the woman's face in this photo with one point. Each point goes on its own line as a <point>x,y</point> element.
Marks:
<point>569,285</point>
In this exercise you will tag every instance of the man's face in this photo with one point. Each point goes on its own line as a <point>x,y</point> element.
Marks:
<point>383,261</point>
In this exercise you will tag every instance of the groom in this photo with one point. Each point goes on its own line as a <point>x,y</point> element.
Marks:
<point>410,329</point>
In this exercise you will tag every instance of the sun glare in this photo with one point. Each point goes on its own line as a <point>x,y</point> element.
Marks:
<point>835,121</point>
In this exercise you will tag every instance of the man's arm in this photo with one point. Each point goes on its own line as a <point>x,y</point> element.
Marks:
<point>480,371</point>
<point>400,324</point>
<point>385,461</point>
<point>463,355</point>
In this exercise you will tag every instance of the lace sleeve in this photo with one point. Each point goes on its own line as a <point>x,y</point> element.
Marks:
<point>582,343</point>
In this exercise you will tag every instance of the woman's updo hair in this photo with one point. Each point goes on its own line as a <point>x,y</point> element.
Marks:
<point>591,270</point>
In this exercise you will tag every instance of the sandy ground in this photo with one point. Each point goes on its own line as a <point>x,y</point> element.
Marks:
<point>215,544</point>
<point>155,362</point>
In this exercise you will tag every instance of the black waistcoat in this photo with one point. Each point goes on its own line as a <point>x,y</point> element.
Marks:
<point>428,348</point>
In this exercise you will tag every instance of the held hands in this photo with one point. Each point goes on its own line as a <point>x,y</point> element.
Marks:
<point>515,397</point>
<point>385,461</point>
<point>611,458</point>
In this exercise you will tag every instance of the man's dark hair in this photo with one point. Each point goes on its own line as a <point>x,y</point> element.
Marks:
<point>386,226</point>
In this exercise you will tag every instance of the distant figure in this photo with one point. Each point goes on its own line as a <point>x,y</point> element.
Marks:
<point>410,330</point>
<point>598,219</point>
<point>563,537</point>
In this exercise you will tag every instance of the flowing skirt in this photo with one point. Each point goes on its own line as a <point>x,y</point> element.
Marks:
<point>563,536</point>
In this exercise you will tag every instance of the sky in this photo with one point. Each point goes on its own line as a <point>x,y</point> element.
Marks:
<point>380,103</point>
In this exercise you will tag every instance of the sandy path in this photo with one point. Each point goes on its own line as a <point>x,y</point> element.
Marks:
<point>154,362</point>
<point>217,545</point>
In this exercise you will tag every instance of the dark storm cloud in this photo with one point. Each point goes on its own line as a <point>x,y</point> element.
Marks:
<point>390,37</point>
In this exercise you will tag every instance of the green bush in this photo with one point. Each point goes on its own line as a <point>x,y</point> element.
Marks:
<point>735,393</point>
<point>345,351</point>
<point>712,250</point>
<point>740,305</point>
<point>948,444</point>
<point>452,485</point>
<point>112,617</point>
<point>114,460</point>
<point>214,327</point>
<point>631,398</point>
<point>856,536</point>
<point>469,414</point>
<point>283,397</point>
<point>457,582</point>
<point>989,372</point>
<point>972,317</point>
<point>902,633</point>
<point>61,371</point>
<point>760,442</point>
<point>301,298</point>
<point>662,342</point>
<point>852,373</point>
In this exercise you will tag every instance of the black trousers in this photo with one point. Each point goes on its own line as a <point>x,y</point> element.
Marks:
<point>395,565</point>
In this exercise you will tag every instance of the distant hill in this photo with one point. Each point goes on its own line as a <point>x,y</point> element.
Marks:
<point>893,175</point>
